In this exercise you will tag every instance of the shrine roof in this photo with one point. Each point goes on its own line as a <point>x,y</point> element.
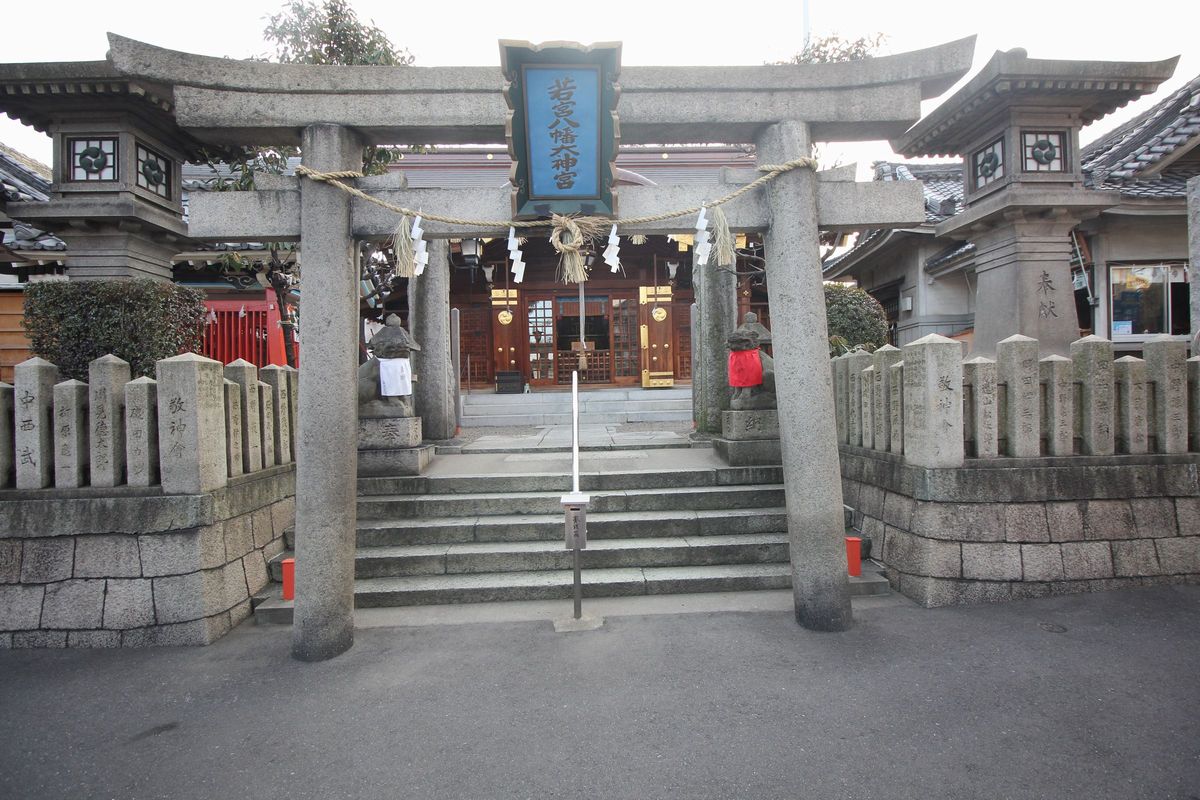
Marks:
<point>1088,89</point>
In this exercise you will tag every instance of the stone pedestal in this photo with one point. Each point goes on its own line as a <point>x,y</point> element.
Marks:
<point>749,438</point>
<point>392,446</point>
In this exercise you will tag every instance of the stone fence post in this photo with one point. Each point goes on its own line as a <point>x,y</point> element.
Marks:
<point>33,405</point>
<point>191,424</point>
<point>107,377</point>
<point>933,402</point>
<point>1093,359</point>
<point>1166,369</point>
<point>1017,371</point>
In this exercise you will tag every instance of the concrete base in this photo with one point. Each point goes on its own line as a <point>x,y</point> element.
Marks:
<point>395,461</point>
<point>749,438</point>
<point>750,425</point>
<point>751,453</point>
<point>389,433</point>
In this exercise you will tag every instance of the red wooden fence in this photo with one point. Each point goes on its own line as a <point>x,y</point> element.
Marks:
<point>246,329</point>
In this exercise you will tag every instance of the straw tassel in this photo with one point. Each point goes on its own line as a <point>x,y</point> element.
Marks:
<point>402,246</point>
<point>724,238</point>
<point>569,237</point>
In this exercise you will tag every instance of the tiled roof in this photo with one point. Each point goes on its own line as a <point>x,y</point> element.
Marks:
<point>1121,159</point>
<point>24,179</point>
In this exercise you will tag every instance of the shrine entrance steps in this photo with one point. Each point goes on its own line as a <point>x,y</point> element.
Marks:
<point>596,407</point>
<point>484,528</point>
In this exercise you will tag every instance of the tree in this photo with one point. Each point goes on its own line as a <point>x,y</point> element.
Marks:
<point>836,48</point>
<point>855,318</point>
<point>330,32</point>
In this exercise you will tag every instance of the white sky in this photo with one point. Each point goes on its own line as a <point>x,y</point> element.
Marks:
<point>465,32</point>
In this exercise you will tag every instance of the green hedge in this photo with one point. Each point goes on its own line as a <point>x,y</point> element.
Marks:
<point>72,323</point>
<point>855,318</point>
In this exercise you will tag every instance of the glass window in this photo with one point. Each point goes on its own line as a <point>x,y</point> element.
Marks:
<point>1148,299</point>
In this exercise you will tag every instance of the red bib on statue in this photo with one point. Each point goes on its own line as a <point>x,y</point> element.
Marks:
<point>745,368</point>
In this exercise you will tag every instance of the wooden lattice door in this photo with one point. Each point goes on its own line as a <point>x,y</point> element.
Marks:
<point>475,343</point>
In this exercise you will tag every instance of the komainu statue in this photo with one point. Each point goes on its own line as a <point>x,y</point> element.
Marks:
<point>751,371</point>
<point>385,381</point>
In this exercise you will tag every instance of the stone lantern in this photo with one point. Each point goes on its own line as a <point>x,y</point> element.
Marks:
<point>1016,125</point>
<point>116,197</point>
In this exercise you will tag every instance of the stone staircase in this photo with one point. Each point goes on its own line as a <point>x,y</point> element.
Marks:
<point>596,406</point>
<point>483,538</point>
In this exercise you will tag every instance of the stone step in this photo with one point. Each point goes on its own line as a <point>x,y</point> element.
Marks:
<point>549,527</point>
<point>528,556</point>
<point>586,396</point>
<point>468,504</point>
<point>557,585</point>
<point>525,418</point>
<point>557,482</point>
<point>531,404</point>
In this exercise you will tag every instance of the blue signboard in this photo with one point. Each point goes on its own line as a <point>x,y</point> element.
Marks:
<point>562,129</point>
<point>562,113</point>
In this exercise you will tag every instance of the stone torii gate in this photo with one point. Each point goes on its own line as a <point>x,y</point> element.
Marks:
<point>331,112</point>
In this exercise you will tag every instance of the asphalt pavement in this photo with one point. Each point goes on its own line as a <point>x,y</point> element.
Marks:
<point>1088,696</point>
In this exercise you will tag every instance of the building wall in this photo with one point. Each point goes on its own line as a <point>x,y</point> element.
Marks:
<point>14,345</point>
<point>943,305</point>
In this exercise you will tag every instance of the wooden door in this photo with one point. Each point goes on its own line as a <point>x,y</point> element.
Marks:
<point>507,330</point>
<point>654,309</point>
<point>476,365</point>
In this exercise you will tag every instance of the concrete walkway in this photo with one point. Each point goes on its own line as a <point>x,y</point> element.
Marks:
<point>1090,696</point>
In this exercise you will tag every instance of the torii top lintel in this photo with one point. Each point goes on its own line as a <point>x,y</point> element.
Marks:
<point>225,101</point>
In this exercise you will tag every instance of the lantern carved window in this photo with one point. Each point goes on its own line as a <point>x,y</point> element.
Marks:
<point>988,164</point>
<point>1043,151</point>
<point>93,159</point>
<point>153,172</point>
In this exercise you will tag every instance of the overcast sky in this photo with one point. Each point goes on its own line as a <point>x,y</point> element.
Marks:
<point>465,32</point>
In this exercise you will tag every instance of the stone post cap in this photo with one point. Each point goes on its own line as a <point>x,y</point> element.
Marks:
<point>271,368</point>
<point>1129,360</point>
<point>189,358</point>
<point>68,384</point>
<point>1017,337</point>
<point>142,380</point>
<point>4,385</point>
<point>887,348</point>
<point>36,361</point>
<point>1091,338</point>
<point>231,383</point>
<point>1055,359</point>
<point>109,359</point>
<point>980,360</point>
<point>933,338</point>
<point>241,362</point>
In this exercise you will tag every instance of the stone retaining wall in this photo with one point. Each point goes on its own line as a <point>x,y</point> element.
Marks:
<point>1000,529</point>
<point>133,567</point>
<point>141,512</point>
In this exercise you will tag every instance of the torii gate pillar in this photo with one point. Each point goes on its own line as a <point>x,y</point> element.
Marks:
<point>807,430</point>
<point>327,433</point>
